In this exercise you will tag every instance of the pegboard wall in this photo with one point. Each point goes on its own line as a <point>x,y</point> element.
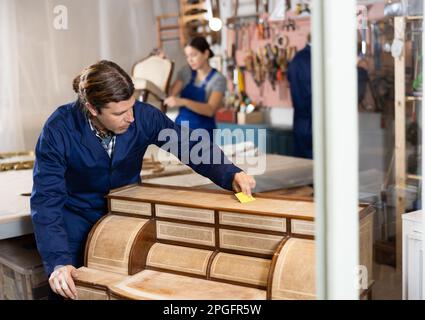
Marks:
<point>248,36</point>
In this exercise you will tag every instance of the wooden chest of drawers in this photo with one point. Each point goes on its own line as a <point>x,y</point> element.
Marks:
<point>180,243</point>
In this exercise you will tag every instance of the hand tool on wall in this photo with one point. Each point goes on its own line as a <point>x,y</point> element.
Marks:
<point>257,69</point>
<point>231,61</point>
<point>241,81</point>
<point>362,14</point>
<point>231,64</point>
<point>266,30</point>
<point>289,25</point>
<point>272,65</point>
<point>260,29</point>
<point>376,45</point>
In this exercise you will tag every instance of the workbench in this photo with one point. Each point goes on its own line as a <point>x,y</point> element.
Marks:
<point>281,172</point>
<point>15,217</point>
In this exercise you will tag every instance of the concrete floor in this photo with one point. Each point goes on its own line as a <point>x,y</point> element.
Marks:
<point>388,285</point>
<point>375,152</point>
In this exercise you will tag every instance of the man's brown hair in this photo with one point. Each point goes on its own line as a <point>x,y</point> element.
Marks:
<point>101,83</point>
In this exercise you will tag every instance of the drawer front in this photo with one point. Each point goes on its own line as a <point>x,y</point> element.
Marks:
<point>185,233</point>
<point>249,241</point>
<point>183,213</point>
<point>178,258</point>
<point>302,227</point>
<point>140,208</point>
<point>252,221</point>
<point>85,293</point>
<point>240,268</point>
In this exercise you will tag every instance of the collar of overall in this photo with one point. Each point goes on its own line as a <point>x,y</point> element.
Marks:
<point>100,132</point>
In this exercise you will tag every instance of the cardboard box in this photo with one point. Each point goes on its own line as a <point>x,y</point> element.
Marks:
<point>225,115</point>
<point>250,118</point>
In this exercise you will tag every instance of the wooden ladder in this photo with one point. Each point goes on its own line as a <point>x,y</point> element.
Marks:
<point>169,31</point>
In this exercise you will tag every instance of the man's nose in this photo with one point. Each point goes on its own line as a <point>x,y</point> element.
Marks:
<point>129,117</point>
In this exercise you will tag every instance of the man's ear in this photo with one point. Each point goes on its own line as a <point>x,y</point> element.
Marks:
<point>91,109</point>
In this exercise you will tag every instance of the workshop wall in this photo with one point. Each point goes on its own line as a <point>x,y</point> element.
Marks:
<point>47,59</point>
<point>172,49</point>
<point>249,38</point>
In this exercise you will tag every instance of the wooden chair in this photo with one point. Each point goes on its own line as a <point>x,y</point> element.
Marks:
<point>151,78</point>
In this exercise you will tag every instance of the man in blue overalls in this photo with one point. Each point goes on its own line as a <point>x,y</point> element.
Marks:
<point>93,145</point>
<point>299,77</point>
<point>201,89</point>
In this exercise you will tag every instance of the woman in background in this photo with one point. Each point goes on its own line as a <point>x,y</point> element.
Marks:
<point>201,88</point>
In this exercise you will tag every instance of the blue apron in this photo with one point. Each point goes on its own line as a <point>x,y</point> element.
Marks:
<point>192,92</point>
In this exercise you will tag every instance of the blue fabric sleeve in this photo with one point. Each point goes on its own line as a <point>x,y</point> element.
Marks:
<point>175,139</point>
<point>48,198</point>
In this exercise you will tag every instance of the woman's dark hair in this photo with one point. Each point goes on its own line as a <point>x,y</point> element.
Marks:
<point>201,44</point>
<point>101,83</point>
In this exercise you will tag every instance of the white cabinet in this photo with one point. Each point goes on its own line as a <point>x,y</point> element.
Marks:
<point>412,256</point>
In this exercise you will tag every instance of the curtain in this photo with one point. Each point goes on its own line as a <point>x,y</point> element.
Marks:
<point>11,129</point>
<point>39,60</point>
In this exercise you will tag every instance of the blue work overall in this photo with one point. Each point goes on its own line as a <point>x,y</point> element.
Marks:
<point>198,94</point>
<point>73,173</point>
<point>299,77</point>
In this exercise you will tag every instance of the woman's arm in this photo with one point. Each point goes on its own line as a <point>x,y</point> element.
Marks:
<point>176,88</point>
<point>206,109</point>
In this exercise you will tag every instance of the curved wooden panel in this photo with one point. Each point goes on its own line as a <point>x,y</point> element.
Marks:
<point>111,243</point>
<point>294,276</point>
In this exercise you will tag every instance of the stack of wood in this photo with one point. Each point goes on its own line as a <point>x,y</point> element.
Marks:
<point>16,161</point>
<point>152,165</point>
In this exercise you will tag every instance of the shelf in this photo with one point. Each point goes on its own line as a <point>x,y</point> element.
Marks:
<point>413,98</point>
<point>414,177</point>
<point>411,18</point>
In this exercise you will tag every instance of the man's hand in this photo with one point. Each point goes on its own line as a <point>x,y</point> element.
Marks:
<point>243,183</point>
<point>61,281</point>
<point>173,102</point>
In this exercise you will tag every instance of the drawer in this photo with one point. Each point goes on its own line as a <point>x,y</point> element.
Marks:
<point>124,206</point>
<point>249,241</point>
<point>252,221</point>
<point>178,258</point>
<point>185,233</point>
<point>85,293</point>
<point>184,213</point>
<point>302,227</point>
<point>244,269</point>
